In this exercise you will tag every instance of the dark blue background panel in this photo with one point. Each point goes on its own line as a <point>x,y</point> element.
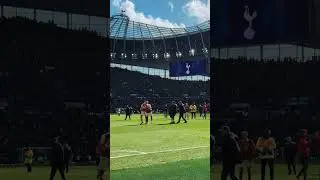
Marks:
<point>244,22</point>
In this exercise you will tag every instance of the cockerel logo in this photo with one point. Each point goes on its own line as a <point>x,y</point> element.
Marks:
<point>188,66</point>
<point>249,33</point>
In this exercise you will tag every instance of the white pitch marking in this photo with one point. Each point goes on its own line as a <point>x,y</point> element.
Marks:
<point>155,152</point>
<point>127,151</point>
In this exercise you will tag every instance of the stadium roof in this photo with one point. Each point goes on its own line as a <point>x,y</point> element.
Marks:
<point>121,27</point>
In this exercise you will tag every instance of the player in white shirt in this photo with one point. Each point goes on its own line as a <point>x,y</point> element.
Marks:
<point>148,112</point>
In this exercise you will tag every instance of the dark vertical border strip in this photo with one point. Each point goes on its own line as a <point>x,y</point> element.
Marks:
<point>211,70</point>
<point>106,84</point>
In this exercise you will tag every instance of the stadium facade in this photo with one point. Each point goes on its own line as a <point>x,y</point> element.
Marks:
<point>149,49</point>
<point>72,19</point>
<point>84,7</point>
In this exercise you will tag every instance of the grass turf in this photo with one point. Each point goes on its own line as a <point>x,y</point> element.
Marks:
<point>189,169</point>
<point>159,151</point>
<point>280,172</point>
<point>41,173</point>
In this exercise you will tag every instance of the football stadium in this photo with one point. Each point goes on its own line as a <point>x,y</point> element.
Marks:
<point>53,60</point>
<point>269,104</point>
<point>154,70</point>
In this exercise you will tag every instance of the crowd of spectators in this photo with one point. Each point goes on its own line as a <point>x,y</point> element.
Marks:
<point>281,95</point>
<point>131,88</point>
<point>51,84</point>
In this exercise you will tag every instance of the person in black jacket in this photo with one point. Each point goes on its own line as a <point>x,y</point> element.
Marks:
<point>182,112</point>
<point>57,159</point>
<point>67,156</point>
<point>213,144</point>
<point>212,141</point>
<point>201,110</point>
<point>230,153</point>
<point>290,154</point>
<point>172,111</point>
<point>165,111</point>
<point>128,112</point>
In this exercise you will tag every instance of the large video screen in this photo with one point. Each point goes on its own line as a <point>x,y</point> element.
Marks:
<point>243,22</point>
<point>188,68</point>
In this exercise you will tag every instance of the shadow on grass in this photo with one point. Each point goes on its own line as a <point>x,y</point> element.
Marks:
<point>135,125</point>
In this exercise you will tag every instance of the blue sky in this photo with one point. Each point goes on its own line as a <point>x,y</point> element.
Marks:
<point>165,13</point>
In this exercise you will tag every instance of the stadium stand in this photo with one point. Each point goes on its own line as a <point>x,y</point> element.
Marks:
<point>143,46</point>
<point>129,87</point>
<point>50,85</point>
<point>282,95</point>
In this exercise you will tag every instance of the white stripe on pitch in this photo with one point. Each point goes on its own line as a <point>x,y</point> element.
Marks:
<point>155,152</point>
<point>127,151</point>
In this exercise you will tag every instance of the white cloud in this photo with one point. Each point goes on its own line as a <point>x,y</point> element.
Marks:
<point>116,3</point>
<point>171,6</point>
<point>198,9</point>
<point>134,15</point>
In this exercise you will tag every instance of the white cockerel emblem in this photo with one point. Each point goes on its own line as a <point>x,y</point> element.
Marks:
<point>188,68</point>
<point>249,33</point>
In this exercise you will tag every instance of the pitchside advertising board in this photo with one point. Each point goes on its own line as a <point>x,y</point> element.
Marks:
<point>190,67</point>
<point>243,22</point>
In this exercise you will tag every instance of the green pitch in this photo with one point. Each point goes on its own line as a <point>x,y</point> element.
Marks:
<point>280,172</point>
<point>42,173</point>
<point>159,151</point>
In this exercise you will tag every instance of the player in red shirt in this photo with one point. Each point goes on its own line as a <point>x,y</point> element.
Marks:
<point>316,144</point>
<point>247,149</point>
<point>303,151</point>
<point>150,112</point>
<point>143,108</point>
<point>104,163</point>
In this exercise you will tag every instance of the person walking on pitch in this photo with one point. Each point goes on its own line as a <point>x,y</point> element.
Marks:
<point>290,154</point>
<point>57,160</point>
<point>172,111</point>
<point>247,150</point>
<point>266,146</point>
<point>230,153</point>
<point>28,159</point>
<point>182,111</point>
<point>303,150</point>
